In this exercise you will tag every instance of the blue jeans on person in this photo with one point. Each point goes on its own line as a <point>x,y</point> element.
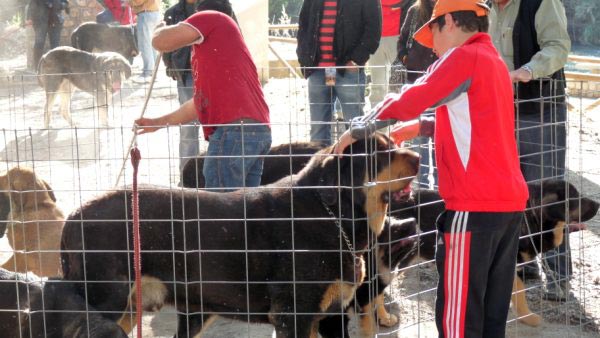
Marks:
<point>41,31</point>
<point>542,146</point>
<point>349,89</point>
<point>189,143</point>
<point>425,147</point>
<point>146,22</point>
<point>427,176</point>
<point>235,156</point>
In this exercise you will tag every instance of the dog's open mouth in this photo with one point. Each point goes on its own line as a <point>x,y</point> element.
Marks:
<point>116,86</point>
<point>574,227</point>
<point>401,195</point>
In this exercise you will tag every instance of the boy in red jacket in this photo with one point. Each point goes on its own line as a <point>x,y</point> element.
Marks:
<point>479,175</point>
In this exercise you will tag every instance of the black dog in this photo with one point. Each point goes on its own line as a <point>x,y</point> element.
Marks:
<point>98,37</point>
<point>551,206</point>
<point>99,74</point>
<point>50,309</point>
<point>260,256</point>
<point>395,249</point>
<point>281,161</point>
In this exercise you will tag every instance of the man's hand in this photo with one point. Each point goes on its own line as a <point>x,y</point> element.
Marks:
<point>344,141</point>
<point>521,75</point>
<point>146,125</point>
<point>351,66</point>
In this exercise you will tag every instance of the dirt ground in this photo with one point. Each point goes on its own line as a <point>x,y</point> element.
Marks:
<point>83,161</point>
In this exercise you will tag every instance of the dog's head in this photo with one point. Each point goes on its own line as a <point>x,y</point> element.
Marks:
<point>129,31</point>
<point>116,68</point>
<point>552,205</point>
<point>362,180</point>
<point>21,189</point>
<point>396,245</point>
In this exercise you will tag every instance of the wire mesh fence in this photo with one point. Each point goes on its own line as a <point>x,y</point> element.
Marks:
<point>273,254</point>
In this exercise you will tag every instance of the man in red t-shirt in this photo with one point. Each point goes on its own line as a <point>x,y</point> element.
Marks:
<point>228,99</point>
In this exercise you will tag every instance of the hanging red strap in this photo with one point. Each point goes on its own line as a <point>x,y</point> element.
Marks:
<point>137,259</point>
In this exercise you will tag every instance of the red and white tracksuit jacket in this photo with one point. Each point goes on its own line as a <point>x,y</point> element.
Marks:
<point>476,151</point>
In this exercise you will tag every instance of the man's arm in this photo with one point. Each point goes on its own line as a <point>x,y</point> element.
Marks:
<point>170,38</point>
<point>369,40</point>
<point>553,38</point>
<point>182,115</point>
<point>137,2</point>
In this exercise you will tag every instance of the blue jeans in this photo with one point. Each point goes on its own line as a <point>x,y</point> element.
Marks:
<point>146,22</point>
<point>349,89</point>
<point>41,31</point>
<point>542,147</point>
<point>423,146</point>
<point>188,135</point>
<point>234,157</point>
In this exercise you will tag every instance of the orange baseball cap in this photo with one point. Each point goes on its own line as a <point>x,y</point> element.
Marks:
<point>424,35</point>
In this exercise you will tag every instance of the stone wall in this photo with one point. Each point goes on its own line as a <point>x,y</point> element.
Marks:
<point>81,11</point>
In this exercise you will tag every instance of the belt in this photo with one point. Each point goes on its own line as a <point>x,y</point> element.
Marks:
<point>245,121</point>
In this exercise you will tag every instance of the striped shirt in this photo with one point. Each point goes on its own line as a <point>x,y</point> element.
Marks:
<point>326,33</point>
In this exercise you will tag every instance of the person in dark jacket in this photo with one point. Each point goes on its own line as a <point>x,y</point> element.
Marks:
<point>179,69</point>
<point>47,19</point>
<point>416,58</point>
<point>336,37</point>
<point>533,41</point>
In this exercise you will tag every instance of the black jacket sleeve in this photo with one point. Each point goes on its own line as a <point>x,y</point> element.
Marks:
<point>369,41</point>
<point>404,33</point>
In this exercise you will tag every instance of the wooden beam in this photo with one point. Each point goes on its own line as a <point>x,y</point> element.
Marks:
<point>593,105</point>
<point>287,65</point>
<point>579,76</point>
<point>290,26</point>
<point>587,59</point>
<point>282,39</point>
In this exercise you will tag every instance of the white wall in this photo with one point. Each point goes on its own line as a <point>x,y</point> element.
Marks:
<point>253,18</point>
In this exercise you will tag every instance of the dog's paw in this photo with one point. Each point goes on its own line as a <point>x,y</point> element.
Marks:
<point>389,320</point>
<point>531,320</point>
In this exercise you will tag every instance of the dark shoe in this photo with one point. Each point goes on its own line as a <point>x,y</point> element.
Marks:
<point>530,272</point>
<point>558,291</point>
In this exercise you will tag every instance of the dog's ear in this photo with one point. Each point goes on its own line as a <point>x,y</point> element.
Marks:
<point>48,188</point>
<point>4,212</point>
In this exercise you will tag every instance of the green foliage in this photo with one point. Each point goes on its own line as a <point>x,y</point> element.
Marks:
<point>584,21</point>
<point>277,8</point>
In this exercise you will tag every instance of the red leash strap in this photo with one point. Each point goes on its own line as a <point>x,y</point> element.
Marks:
<point>137,259</point>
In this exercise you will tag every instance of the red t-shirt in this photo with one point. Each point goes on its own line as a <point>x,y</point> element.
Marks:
<point>390,18</point>
<point>122,13</point>
<point>226,85</point>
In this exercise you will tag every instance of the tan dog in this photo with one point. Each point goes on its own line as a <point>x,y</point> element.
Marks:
<point>34,222</point>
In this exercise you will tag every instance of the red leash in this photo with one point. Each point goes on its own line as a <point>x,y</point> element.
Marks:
<point>137,259</point>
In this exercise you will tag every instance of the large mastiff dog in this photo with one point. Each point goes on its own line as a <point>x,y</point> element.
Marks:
<point>284,254</point>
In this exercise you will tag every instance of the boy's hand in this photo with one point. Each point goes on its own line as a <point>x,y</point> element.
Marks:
<point>344,141</point>
<point>146,125</point>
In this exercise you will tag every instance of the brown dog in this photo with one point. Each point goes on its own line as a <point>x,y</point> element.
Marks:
<point>34,222</point>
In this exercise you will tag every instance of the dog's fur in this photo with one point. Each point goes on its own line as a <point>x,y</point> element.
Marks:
<point>51,308</point>
<point>28,209</point>
<point>426,205</point>
<point>98,37</point>
<point>543,227</point>
<point>395,249</point>
<point>99,74</point>
<point>296,213</point>
<point>281,161</point>
<point>551,206</point>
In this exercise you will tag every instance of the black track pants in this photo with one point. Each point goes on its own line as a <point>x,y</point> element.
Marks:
<point>475,257</point>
